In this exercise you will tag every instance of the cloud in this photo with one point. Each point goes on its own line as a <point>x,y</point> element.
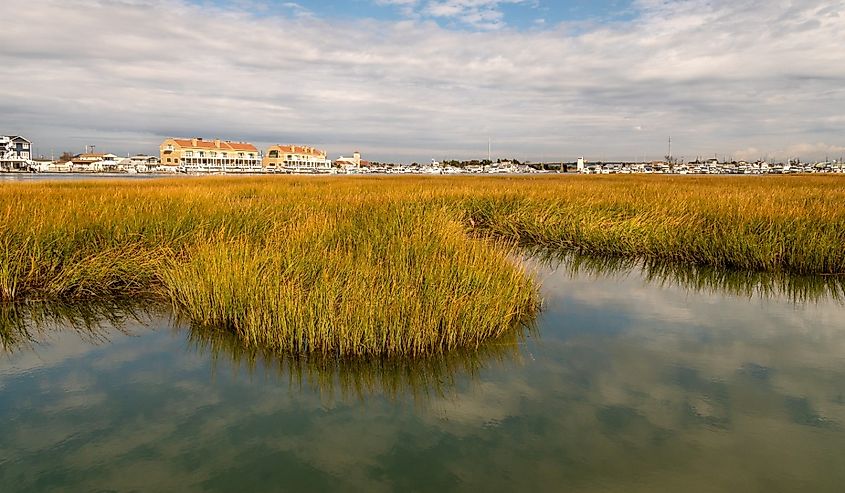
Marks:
<point>716,75</point>
<point>477,14</point>
<point>482,14</point>
<point>817,149</point>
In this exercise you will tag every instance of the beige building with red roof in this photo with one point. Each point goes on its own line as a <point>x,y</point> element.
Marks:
<point>197,155</point>
<point>296,159</point>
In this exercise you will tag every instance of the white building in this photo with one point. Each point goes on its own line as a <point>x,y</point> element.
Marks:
<point>581,167</point>
<point>42,165</point>
<point>351,164</point>
<point>15,153</point>
<point>93,163</point>
<point>139,163</point>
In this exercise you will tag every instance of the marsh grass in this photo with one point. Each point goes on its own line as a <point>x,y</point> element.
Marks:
<point>789,224</point>
<point>390,266</point>
<point>355,283</point>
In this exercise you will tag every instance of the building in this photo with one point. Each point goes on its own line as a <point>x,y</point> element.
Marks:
<point>296,159</point>
<point>93,162</point>
<point>138,163</point>
<point>351,163</point>
<point>15,153</point>
<point>581,167</point>
<point>42,165</point>
<point>210,156</point>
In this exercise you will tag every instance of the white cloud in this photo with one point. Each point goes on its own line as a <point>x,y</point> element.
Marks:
<point>716,75</point>
<point>478,14</point>
<point>482,14</point>
<point>818,149</point>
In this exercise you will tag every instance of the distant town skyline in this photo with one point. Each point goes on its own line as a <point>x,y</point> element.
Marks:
<point>411,80</point>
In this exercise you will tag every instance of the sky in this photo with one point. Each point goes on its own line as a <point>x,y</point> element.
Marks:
<point>412,80</point>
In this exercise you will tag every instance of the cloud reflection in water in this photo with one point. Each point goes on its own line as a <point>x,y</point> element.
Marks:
<point>636,381</point>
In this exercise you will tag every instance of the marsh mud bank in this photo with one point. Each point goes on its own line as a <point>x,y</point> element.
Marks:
<point>634,377</point>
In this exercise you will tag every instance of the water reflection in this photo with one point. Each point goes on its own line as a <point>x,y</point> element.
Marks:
<point>396,378</point>
<point>635,383</point>
<point>23,325</point>
<point>699,279</point>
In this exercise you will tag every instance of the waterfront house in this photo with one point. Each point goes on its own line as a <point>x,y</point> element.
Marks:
<point>351,163</point>
<point>215,156</point>
<point>139,163</point>
<point>94,162</point>
<point>15,153</point>
<point>296,159</point>
<point>42,165</point>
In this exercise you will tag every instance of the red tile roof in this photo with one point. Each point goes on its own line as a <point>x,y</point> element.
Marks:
<point>295,149</point>
<point>223,145</point>
<point>241,146</point>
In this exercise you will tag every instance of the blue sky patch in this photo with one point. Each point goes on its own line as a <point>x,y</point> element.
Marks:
<point>453,14</point>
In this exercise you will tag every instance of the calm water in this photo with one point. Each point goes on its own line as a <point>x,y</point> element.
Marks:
<point>627,384</point>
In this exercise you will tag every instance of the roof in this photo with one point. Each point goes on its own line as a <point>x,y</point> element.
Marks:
<point>241,146</point>
<point>222,145</point>
<point>88,157</point>
<point>297,149</point>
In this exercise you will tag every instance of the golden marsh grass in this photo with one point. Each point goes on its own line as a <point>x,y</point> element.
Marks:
<point>384,265</point>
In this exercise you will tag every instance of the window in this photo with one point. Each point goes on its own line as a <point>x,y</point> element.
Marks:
<point>189,153</point>
<point>274,154</point>
<point>168,160</point>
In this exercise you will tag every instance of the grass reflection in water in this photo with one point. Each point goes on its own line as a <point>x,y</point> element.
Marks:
<point>699,279</point>
<point>23,326</point>
<point>397,378</point>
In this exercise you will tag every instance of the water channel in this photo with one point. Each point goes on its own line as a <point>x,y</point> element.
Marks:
<point>635,378</point>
